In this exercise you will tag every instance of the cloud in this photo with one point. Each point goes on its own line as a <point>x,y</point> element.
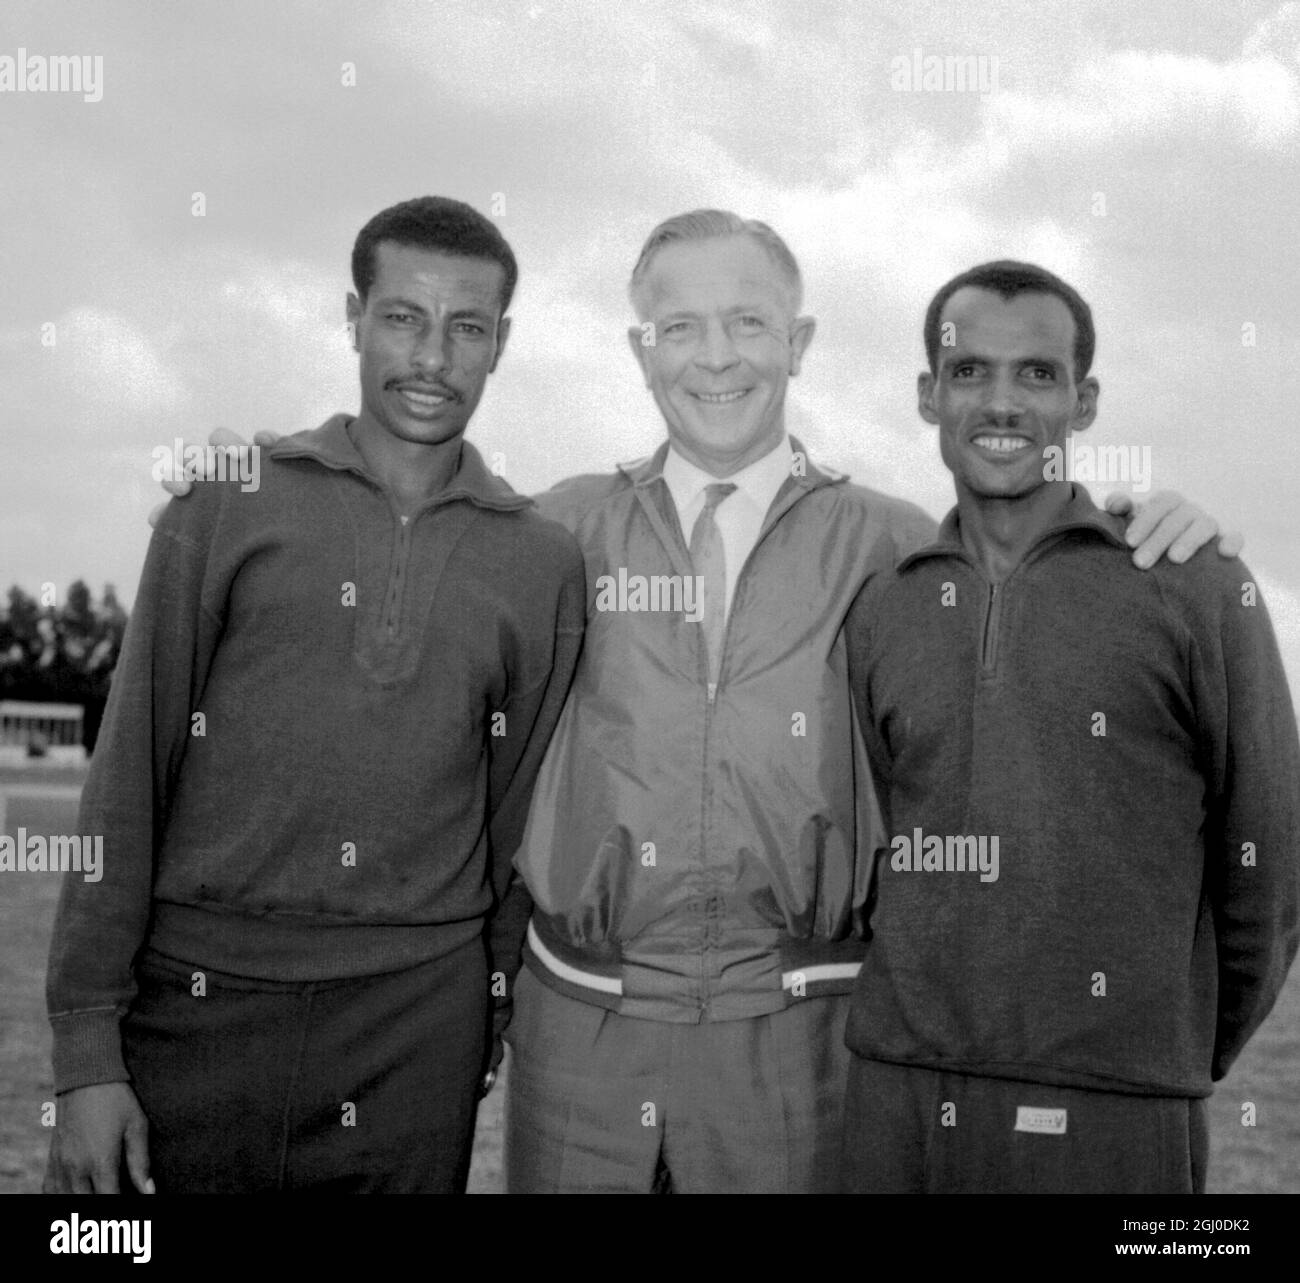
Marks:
<point>1278,34</point>
<point>1128,96</point>
<point>109,362</point>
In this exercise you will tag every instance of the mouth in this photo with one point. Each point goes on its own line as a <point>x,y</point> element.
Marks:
<point>721,398</point>
<point>422,399</point>
<point>1000,444</point>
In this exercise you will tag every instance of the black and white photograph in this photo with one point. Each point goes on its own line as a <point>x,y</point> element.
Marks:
<point>655,598</point>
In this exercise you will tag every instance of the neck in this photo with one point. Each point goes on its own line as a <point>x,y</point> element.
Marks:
<point>728,466</point>
<point>999,532</point>
<point>411,470</point>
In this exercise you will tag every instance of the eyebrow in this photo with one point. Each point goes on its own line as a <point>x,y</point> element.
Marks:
<point>967,358</point>
<point>409,305</point>
<point>396,300</point>
<point>739,310</point>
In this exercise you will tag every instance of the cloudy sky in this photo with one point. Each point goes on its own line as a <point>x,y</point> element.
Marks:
<point>1147,153</point>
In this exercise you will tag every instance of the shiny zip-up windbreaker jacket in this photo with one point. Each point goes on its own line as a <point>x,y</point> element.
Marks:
<point>695,855</point>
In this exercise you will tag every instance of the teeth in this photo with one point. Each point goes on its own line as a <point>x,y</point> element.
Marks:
<point>719,398</point>
<point>1003,444</point>
<point>424,398</point>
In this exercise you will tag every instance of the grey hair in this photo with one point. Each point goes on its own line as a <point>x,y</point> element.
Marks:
<point>705,224</point>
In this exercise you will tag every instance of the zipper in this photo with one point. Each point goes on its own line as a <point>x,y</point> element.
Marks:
<point>992,610</point>
<point>396,593</point>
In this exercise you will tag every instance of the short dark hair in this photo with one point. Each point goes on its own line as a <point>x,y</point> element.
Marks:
<point>1009,278</point>
<point>433,223</point>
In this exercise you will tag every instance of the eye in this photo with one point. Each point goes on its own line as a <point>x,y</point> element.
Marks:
<point>963,371</point>
<point>1042,374</point>
<point>751,322</point>
<point>400,317</point>
<point>470,327</point>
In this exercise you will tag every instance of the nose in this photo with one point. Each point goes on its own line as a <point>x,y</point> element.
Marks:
<point>1002,404</point>
<point>430,352</point>
<point>716,351</point>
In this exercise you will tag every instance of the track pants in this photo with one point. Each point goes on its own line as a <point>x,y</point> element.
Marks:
<point>342,1086</point>
<point>910,1130</point>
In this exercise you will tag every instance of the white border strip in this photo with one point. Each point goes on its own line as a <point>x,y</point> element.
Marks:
<point>588,979</point>
<point>825,971</point>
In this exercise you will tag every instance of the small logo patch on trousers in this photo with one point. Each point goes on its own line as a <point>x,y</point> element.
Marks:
<point>1046,1122</point>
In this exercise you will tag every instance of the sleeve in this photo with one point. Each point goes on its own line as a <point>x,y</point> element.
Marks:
<point>516,758</point>
<point>872,772</point>
<point>101,924</point>
<point>1253,829</point>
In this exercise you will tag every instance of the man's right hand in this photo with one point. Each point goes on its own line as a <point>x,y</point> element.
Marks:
<point>93,1127</point>
<point>180,486</point>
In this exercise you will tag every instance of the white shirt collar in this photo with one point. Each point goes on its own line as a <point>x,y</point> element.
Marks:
<point>758,481</point>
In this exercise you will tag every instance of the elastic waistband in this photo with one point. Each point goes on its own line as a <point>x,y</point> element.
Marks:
<point>753,982</point>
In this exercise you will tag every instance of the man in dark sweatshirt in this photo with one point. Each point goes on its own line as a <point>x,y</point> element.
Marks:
<point>1090,781</point>
<point>334,694</point>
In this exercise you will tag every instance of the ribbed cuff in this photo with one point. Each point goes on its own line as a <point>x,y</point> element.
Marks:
<point>88,1049</point>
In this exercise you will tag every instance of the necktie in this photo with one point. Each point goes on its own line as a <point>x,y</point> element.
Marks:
<point>710,562</point>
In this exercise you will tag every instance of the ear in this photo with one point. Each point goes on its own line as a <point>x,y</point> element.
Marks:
<point>636,336</point>
<point>1085,407</point>
<point>925,393</point>
<point>503,333</point>
<point>802,330</point>
<point>354,310</point>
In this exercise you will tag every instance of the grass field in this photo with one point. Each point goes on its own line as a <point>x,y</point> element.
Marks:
<point>1263,1159</point>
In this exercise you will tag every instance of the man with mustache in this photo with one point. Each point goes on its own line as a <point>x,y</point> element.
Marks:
<point>332,701</point>
<point>1090,780</point>
<point>700,840</point>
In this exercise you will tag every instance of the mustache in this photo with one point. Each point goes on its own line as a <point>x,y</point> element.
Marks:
<point>424,385</point>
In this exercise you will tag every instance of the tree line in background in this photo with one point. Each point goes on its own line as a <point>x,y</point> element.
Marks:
<point>62,653</point>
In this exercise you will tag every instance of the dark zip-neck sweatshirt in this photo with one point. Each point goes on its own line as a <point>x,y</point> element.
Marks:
<point>1090,780</point>
<point>322,734</point>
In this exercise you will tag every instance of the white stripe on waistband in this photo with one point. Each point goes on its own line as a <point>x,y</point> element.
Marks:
<point>826,971</point>
<point>589,979</point>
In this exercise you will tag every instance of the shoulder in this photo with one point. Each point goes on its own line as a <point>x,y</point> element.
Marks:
<point>1206,586</point>
<point>876,514</point>
<point>191,519</point>
<point>570,500</point>
<point>536,543</point>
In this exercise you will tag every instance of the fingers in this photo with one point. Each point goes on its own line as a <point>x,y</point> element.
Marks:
<point>1119,503</point>
<point>1231,544</point>
<point>137,1153</point>
<point>78,1176</point>
<point>50,1184</point>
<point>212,463</point>
<point>1199,532</point>
<point>265,438</point>
<point>156,512</point>
<point>1146,519</point>
<point>104,1177</point>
